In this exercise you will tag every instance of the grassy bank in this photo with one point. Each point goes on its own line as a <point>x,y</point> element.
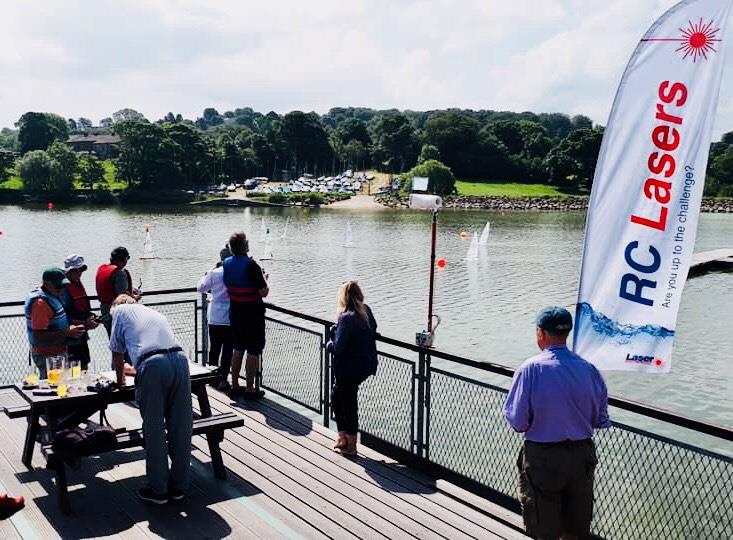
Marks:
<point>492,189</point>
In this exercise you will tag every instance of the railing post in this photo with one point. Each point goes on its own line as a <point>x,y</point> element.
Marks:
<point>419,428</point>
<point>326,378</point>
<point>426,383</point>
<point>204,329</point>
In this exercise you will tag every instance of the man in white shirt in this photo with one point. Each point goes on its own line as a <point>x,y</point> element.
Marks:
<point>162,390</point>
<point>220,333</point>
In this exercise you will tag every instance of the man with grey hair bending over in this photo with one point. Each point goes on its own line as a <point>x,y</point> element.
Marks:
<point>163,392</point>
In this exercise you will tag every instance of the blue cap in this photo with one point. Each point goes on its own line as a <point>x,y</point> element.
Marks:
<point>554,319</point>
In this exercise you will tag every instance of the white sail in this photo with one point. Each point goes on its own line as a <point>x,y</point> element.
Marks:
<point>263,230</point>
<point>348,236</point>
<point>148,246</point>
<point>285,230</point>
<point>472,254</point>
<point>267,249</point>
<point>484,239</point>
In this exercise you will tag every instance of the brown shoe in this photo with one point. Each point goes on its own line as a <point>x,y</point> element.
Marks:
<point>350,448</point>
<point>340,441</point>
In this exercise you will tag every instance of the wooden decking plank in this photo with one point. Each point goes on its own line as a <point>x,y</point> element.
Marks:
<point>391,521</point>
<point>202,487</point>
<point>317,495</point>
<point>400,511</point>
<point>191,518</point>
<point>261,513</point>
<point>424,509</point>
<point>240,465</point>
<point>305,509</point>
<point>102,518</point>
<point>408,479</point>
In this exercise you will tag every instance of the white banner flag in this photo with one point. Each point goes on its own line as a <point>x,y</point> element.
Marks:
<point>645,202</point>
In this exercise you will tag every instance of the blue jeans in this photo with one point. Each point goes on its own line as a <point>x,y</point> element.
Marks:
<point>163,392</point>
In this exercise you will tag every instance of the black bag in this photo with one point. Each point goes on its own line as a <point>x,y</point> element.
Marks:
<point>84,441</point>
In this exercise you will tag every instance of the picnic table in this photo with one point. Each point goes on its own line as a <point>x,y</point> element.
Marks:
<point>60,413</point>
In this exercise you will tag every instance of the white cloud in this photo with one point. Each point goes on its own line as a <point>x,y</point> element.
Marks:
<point>92,58</point>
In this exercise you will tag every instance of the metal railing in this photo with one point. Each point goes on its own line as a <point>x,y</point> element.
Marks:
<point>444,413</point>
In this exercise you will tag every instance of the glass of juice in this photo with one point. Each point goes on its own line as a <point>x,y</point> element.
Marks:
<point>73,373</point>
<point>55,369</point>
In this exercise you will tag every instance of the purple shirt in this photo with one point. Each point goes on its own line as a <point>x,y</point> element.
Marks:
<point>557,396</point>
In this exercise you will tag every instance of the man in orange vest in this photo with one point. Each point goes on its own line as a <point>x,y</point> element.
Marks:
<point>78,308</point>
<point>112,280</point>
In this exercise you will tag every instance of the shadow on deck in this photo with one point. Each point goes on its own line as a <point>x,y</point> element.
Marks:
<point>284,482</point>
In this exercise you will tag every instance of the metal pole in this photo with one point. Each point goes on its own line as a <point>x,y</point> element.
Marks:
<point>420,404</point>
<point>326,378</point>
<point>432,271</point>
<point>204,329</point>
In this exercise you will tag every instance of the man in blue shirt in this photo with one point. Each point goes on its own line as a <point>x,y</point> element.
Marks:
<point>557,399</point>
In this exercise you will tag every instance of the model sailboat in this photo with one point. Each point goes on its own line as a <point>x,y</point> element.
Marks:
<point>267,249</point>
<point>148,253</point>
<point>348,236</point>
<point>484,238</point>
<point>472,254</point>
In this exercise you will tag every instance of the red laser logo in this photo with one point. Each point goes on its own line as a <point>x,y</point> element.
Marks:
<point>696,40</point>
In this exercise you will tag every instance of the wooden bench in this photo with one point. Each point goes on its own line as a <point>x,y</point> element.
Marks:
<point>21,411</point>
<point>212,426</point>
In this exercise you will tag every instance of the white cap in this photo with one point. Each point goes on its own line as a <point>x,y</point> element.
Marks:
<point>74,262</point>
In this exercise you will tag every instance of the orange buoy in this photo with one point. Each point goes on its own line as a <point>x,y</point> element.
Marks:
<point>464,234</point>
<point>441,263</point>
<point>50,206</point>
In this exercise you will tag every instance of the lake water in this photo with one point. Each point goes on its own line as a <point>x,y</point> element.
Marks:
<point>487,306</point>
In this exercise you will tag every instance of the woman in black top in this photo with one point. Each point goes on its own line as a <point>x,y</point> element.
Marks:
<point>354,351</point>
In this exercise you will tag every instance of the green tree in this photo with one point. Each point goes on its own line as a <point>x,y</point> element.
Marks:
<point>127,114</point>
<point>719,180</point>
<point>9,140</point>
<point>38,130</point>
<point>428,152</point>
<point>192,159</point>
<point>395,147</point>
<point>34,169</point>
<point>575,157</point>
<point>305,142</point>
<point>440,178</point>
<point>64,166</point>
<point>147,155</point>
<point>84,124</point>
<point>455,134</point>
<point>91,171</point>
<point>7,162</point>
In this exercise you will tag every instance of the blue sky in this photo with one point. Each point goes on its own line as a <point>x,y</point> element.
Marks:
<point>83,58</point>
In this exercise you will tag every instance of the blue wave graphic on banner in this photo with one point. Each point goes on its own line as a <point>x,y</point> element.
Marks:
<point>589,319</point>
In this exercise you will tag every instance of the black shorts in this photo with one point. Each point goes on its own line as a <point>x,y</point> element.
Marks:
<point>248,327</point>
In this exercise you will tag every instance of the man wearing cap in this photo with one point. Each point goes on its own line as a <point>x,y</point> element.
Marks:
<point>112,280</point>
<point>78,309</point>
<point>557,399</point>
<point>46,321</point>
<point>163,392</point>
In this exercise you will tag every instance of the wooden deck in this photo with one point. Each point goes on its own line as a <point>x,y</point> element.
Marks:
<point>708,261</point>
<point>284,482</point>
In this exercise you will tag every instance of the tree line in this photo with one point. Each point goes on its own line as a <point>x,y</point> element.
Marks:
<point>174,152</point>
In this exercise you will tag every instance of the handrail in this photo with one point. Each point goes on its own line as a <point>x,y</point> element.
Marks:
<point>707,428</point>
